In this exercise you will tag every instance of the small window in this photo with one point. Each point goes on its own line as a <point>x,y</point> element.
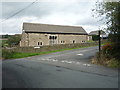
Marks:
<point>61,41</point>
<point>38,43</point>
<point>73,41</point>
<point>55,37</point>
<point>50,37</point>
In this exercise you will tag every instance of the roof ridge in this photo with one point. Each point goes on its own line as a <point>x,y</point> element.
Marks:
<point>52,28</point>
<point>53,25</point>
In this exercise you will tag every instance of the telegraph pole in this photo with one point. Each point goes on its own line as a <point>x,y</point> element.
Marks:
<point>99,41</point>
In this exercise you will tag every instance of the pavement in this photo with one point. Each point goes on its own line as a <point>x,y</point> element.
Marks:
<point>66,69</point>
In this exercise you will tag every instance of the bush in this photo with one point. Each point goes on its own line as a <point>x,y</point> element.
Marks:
<point>107,50</point>
<point>7,54</point>
<point>101,59</point>
<point>95,37</point>
<point>113,63</point>
<point>107,56</point>
<point>14,40</point>
<point>110,50</point>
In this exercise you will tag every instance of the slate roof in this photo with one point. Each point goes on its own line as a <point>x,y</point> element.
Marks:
<point>48,28</point>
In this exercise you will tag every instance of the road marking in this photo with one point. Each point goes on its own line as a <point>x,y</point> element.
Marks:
<point>54,60</point>
<point>65,61</point>
<point>87,65</point>
<point>80,54</point>
<point>77,62</point>
<point>69,62</point>
<point>47,59</point>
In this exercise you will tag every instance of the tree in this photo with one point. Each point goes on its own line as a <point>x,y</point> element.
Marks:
<point>6,36</point>
<point>111,11</point>
<point>95,37</point>
<point>14,40</point>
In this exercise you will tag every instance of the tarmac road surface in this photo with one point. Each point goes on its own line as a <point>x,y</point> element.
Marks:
<point>66,69</point>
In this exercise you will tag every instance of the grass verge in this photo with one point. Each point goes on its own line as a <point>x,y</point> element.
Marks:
<point>108,62</point>
<point>13,55</point>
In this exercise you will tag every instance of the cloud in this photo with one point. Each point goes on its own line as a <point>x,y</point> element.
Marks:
<point>56,12</point>
<point>37,9</point>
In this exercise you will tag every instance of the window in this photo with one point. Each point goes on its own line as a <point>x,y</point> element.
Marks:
<point>73,41</point>
<point>38,43</point>
<point>55,37</point>
<point>83,41</point>
<point>53,40</point>
<point>62,41</point>
<point>50,37</point>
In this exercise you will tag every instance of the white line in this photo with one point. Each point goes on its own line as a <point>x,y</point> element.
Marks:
<point>80,54</point>
<point>87,65</point>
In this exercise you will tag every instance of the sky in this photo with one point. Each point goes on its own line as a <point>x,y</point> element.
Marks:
<point>57,12</point>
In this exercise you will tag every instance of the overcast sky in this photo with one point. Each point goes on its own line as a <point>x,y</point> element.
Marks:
<point>75,13</point>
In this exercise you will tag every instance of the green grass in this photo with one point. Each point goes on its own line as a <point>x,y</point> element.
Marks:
<point>3,43</point>
<point>105,61</point>
<point>113,63</point>
<point>3,40</point>
<point>91,41</point>
<point>14,55</point>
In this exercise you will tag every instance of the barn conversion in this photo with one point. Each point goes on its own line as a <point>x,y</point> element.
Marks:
<point>34,34</point>
<point>103,35</point>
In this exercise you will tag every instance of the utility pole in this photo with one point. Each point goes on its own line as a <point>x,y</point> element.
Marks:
<point>99,41</point>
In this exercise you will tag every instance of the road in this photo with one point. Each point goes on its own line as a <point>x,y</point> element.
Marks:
<point>66,69</point>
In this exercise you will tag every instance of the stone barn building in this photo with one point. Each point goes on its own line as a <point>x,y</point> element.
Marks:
<point>103,35</point>
<point>34,34</point>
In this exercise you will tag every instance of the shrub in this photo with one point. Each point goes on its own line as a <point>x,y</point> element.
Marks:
<point>7,54</point>
<point>14,40</point>
<point>107,56</point>
<point>105,61</point>
<point>95,37</point>
<point>107,49</point>
<point>113,63</point>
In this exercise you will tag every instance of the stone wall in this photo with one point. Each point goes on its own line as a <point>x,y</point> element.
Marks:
<point>39,39</point>
<point>70,39</point>
<point>52,47</point>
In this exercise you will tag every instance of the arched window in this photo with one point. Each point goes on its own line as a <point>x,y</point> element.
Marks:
<point>38,43</point>
<point>73,41</point>
<point>50,37</point>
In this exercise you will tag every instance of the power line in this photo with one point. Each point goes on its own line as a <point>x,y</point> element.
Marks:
<point>19,11</point>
